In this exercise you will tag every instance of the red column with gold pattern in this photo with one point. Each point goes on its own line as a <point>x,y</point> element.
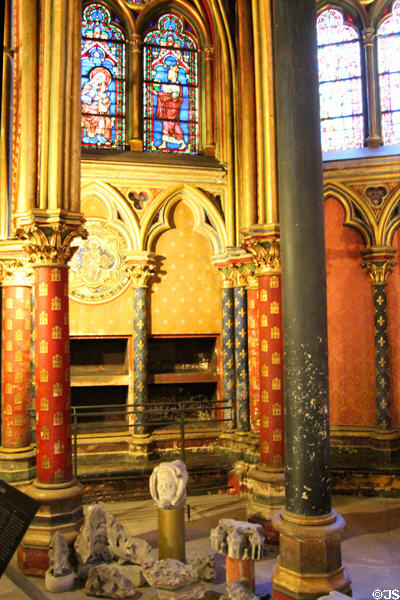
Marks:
<point>54,454</point>
<point>16,359</point>
<point>253,350</point>
<point>17,455</point>
<point>271,369</point>
<point>16,376</point>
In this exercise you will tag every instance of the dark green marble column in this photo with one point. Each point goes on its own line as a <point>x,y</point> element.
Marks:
<point>308,486</point>
<point>309,563</point>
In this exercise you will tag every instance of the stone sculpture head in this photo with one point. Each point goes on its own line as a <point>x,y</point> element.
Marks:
<point>168,484</point>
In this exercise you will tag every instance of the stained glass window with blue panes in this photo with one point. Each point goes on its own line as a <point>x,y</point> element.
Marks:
<point>170,93</point>
<point>388,43</point>
<point>102,80</point>
<point>340,84</point>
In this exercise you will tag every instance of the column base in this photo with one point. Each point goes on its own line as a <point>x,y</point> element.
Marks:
<point>17,465</point>
<point>61,510</point>
<point>141,446</point>
<point>310,563</point>
<point>267,498</point>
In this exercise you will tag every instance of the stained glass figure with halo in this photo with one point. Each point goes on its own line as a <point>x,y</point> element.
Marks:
<point>170,88</point>
<point>102,80</point>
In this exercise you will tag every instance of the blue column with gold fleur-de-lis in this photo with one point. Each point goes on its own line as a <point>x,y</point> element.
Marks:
<point>378,263</point>
<point>241,360</point>
<point>140,273</point>
<point>140,359</point>
<point>228,354</point>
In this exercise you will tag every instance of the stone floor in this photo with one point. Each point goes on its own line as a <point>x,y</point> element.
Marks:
<point>370,549</point>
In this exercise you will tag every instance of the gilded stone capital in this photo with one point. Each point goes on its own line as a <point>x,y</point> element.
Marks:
<point>378,263</point>
<point>135,43</point>
<point>50,244</point>
<point>368,36</point>
<point>266,256</point>
<point>16,272</point>
<point>140,273</point>
<point>228,276</point>
<point>209,52</point>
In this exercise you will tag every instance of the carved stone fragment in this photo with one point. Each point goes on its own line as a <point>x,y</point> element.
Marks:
<point>238,590</point>
<point>238,539</point>
<point>205,566</point>
<point>124,546</point>
<point>106,581</point>
<point>91,544</point>
<point>170,574</point>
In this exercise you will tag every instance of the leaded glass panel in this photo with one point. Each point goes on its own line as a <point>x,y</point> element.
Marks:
<point>102,80</point>
<point>170,94</point>
<point>388,44</point>
<point>339,69</point>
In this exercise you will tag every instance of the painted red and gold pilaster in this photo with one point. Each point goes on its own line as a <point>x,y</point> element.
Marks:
<point>253,350</point>
<point>267,263</point>
<point>267,477</point>
<point>50,250</point>
<point>16,452</point>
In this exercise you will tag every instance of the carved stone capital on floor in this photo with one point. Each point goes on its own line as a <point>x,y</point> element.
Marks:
<point>310,562</point>
<point>50,244</point>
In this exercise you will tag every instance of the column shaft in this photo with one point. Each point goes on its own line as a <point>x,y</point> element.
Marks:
<point>308,488</point>
<point>228,357</point>
<point>271,365</point>
<point>52,376</point>
<point>374,139</point>
<point>16,375</point>
<point>241,359</point>
<point>136,143</point>
<point>254,355</point>
<point>140,359</point>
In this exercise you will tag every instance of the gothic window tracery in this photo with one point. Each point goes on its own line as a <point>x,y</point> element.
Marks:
<point>359,75</point>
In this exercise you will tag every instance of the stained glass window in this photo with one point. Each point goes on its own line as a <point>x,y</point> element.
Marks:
<point>340,84</point>
<point>170,93</point>
<point>102,80</point>
<point>388,43</point>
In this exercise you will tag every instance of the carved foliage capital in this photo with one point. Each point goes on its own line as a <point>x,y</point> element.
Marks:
<point>378,265</point>
<point>266,256</point>
<point>16,272</point>
<point>50,244</point>
<point>140,273</point>
<point>209,52</point>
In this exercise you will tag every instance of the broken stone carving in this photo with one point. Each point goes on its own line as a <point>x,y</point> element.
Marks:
<point>205,566</point>
<point>106,581</point>
<point>170,574</point>
<point>174,580</point>
<point>60,576</point>
<point>168,484</point>
<point>102,539</point>
<point>91,544</point>
<point>238,590</point>
<point>124,546</point>
<point>238,539</point>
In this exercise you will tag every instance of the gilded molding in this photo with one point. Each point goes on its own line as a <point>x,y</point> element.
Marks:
<point>16,272</point>
<point>50,245</point>
<point>140,274</point>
